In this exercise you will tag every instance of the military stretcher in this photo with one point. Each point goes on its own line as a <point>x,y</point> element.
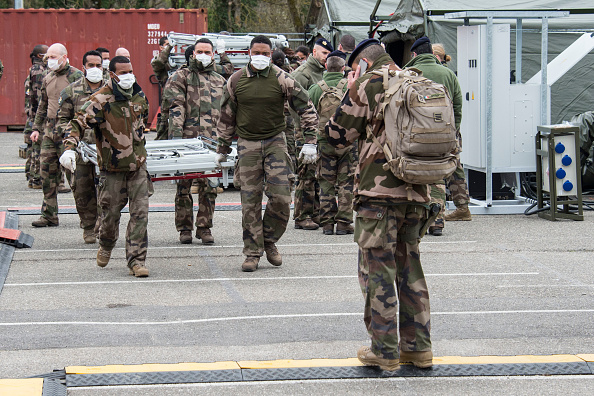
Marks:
<point>179,159</point>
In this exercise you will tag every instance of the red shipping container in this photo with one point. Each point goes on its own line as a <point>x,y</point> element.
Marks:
<point>80,31</point>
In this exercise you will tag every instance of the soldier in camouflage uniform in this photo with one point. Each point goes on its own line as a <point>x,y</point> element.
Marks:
<point>307,203</point>
<point>195,94</point>
<point>33,93</point>
<point>390,218</point>
<point>253,109</point>
<point>336,167</point>
<point>46,118</point>
<point>72,99</point>
<point>118,113</point>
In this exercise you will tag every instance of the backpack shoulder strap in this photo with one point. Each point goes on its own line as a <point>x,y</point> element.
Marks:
<point>322,84</point>
<point>341,84</point>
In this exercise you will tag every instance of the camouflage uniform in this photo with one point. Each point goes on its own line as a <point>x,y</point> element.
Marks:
<point>336,167</point>
<point>27,131</point>
<point>119,118</point>
<point>72,99</point>
<point>161,66</point>
<point>390,216</point>
<point>307,201</point>
<point>51,144</point>
<point>224,67</point>
<point>163,119</point>
<point>33,92</point>
<point>1,69</point>
<point>434,70</point>
<point>256,116</point>
<point>194,94</point>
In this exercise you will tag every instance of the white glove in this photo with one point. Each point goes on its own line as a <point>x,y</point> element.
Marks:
<point>309,153</point>
<point>68,160</point>
<point>172,42</point>
<point>220,158</point>
<point>221,46</point>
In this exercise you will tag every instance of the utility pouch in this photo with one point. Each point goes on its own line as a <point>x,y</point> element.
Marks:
<point>433,212</point>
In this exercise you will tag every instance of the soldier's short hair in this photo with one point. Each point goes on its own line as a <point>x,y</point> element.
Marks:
<point>188,53</point>
<point>38,49</point>
<point>90,53</point>
<point>371,53</point>
<point>348,42</point>
<point>335,64</point>
<point>116,60</point>
<point>261,40</point>
<point>303,49</point>
<point>425,48</point>
<point>101,50</point>
<point>205,41</point>
<point>162,40</point>
<point>278,58</point>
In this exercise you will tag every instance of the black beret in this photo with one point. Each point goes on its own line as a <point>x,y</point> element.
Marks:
<point>338,53</point>
<point>421,41</point>
<point>362,45</point>
<point>324,43</point>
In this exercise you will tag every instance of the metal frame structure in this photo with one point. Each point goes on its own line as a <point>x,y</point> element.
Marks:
<point>519,16</point>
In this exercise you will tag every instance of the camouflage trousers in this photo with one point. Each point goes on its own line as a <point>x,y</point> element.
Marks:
<point>51,175</point>
<point>184,204</point>
<point>115,190</point>
<point>162,127</point>
<point>457,186</point>
<point>263,164</point>
<point>390,273</point>
<point>291,145</point>
<point>438,195</point>
<point>336,177</point>
<point>34,159</point>
<point>307,199</point>
<point>84,190</point>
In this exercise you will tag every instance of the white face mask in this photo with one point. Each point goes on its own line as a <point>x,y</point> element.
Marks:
<point>105,64</point>
<point>54,64</point>
<point>204,59</point>
<point>94,74</point>
<point>260,62</point>
<point>126,80</point>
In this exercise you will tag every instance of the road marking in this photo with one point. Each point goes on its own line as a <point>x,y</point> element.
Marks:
<point>287,316</point>
<point>275,278</point>
<point>534,286</point>
<point>32,251</point>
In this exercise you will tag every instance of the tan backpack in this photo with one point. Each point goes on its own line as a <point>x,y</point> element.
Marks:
<point>420,128</point>
<point>329,101</point>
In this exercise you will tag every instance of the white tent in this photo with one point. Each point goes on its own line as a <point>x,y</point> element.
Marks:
<point>410,19</point>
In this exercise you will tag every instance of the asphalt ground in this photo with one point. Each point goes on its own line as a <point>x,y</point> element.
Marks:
<point>499,285</point>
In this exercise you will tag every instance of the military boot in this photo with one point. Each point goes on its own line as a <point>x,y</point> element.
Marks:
<point>462,213</point>
<point>272,254</point>
<point>328,229</point>
<point>205,235</point>
<point>437,228</point>
<point>62,188</point>
<point>307,224</point>
<point>368,358</point>
<point>139,271</point>
<point>185,237</point>
<point>419,359</point>
<point>250,264</point>
<point>89,236</point>
<point>344,229</point>
<point>43,222</point>
<point>103,256</point>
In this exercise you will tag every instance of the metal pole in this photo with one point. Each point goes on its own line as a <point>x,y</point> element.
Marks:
<point>519,51</point>
<point>489,131</point>
<point>544,59</point>
<point>18,4</point>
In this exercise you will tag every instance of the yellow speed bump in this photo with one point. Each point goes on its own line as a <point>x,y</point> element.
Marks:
<point>21,387</point>
<point>506,359</point>
<point>151,368</point>
<point>587,357</point>
<point>272,364</point>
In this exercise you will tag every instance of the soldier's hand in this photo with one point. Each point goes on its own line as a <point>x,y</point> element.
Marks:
<point>309,153</point>
<point>68,160</point>
<point>220,158</point>
<point>353,75</point>
<point>221,46</point>
<point>34,136</point>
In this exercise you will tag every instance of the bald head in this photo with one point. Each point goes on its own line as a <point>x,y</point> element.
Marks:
<point>57,57</point>
<point>57,49</point>
<point>122,52</point>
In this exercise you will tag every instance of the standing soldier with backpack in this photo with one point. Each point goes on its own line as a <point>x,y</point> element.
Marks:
<point>429,64</point>
<point>336,167</point>
<point>392,211</point>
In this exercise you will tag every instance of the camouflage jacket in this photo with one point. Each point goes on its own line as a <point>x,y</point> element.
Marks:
<point>309,73</point>
<point>358,109</point>
<point>194,96</point>
<point>51,87</point>
<point>253,110</point>
<point>119,124</point>
<point>224,67</point>
<point>72,99</point>
<point>160,65</point>
<point>33,89</point>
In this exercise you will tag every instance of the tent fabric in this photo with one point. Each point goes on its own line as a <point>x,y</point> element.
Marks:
<point>572,94</point>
